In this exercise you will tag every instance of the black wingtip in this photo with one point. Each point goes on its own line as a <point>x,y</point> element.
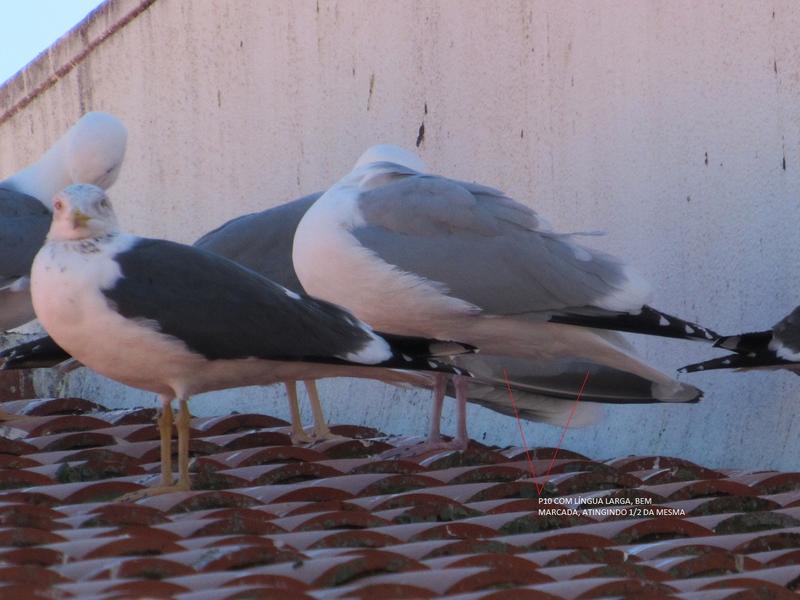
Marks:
<point>752,360</point>
<point>648,321</point>
<point>422,363</point>
<point>37,354</point>
<point>756,341</point>
<point>425,354</point>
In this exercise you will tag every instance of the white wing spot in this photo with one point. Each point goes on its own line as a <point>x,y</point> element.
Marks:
<point>688,328</point>
<point>580,254</point>
<point>376,350</point>
<point>663,321</point>
<point>406,357</point>
<point>291,294</point>
<point>20,285</point>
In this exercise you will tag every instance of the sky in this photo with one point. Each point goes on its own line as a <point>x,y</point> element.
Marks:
<point>27,27</point>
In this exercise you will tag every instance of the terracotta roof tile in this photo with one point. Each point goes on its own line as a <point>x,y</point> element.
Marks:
<point>280,473</point>
<point>356,431</point>
<point>723,504</point>
<point>209,426</point>
<point>246,592</point>
<point>582,556</point>
<point>707,563</point>
<point>366,518</point>
<point>178,502</point>
<point>457,580</point>
<point>484,559</point>
<point>50,406</point>
<point>608,586</point>
<point>352,448</point>
<point>141,588</point>
<point>52,424</point>
<point>785,499</point>
<point>773,580</point>
<point>541,453</point>
<point>685,490</point>
<point>627,569</point>
<point>778,558</point>
<point>748,521</point>
<point>144,567</point>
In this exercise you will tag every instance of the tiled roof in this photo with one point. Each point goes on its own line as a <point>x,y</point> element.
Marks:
<point>344,519</point>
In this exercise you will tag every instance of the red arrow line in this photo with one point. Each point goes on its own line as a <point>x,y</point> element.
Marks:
<point>540,488</point>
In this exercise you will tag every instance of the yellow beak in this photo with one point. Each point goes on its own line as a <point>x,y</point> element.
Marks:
<point>79,219</point>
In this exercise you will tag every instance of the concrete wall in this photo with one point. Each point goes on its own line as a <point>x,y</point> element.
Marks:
<point>673,126</point>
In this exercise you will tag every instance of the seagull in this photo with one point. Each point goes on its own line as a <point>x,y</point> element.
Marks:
<point>178,320</point>
<point>542,390</point>
<point>419,254</point>
<point>262,242</point>
<point>776,348</point>
<point>91,151</point>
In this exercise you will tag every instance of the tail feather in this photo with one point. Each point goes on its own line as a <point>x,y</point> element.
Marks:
<point>560,380</point>
<point>648,321</point>
<point>534,407</point>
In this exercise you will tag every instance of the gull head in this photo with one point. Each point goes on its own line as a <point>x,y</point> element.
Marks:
<point>391,154</point>
<point>82,211</point>
<point>95,147</point>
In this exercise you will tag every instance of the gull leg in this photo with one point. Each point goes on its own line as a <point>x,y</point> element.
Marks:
<point>5,416</point>
<point>165,434</point>
<point>165,421</point>
<point>184,421</point>
<point>462,436</point>
<point>321,431</point>
<point>439,387</point>
<point>434,441</point>
<point>298,435</point>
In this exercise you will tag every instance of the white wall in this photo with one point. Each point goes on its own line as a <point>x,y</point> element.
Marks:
<point>600,115</point>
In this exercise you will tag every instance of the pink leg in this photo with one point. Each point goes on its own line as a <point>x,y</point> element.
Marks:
<point>434,433</point>
<point>434,442</point>
<point>462,436</point>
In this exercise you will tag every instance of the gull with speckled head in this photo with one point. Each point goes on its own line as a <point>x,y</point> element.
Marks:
<point>178,321</point>
<point>419,254</point>
<point>770,350</point>
<point>91,151</point>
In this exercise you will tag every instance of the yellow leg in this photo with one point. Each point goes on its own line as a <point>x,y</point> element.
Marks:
<point>4,416</point>
<point>184,421</point>
<point>165,433</point>
<point>168,484</point>
<point>320,426</point>
<point>299,436</point>
<point>321,430</point>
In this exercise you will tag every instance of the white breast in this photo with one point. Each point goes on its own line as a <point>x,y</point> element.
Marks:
<point>332,264</point>
<point>66,287</point>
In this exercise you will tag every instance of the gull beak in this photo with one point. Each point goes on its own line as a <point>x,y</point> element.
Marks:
<point>79,219</point>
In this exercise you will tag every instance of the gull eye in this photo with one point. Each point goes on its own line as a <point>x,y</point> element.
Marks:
<point>58,205</point>
<point>103,203</point>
